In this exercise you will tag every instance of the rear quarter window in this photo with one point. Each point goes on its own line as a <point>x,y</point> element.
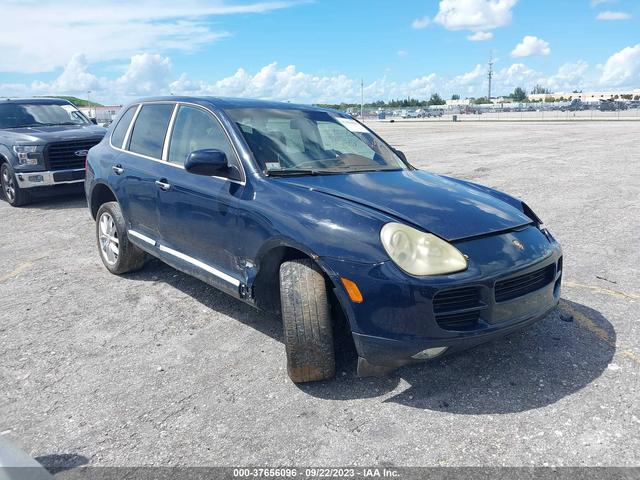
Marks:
<point>119,132</point>
<point>150,128</point>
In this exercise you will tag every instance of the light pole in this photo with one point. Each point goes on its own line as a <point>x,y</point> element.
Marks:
<point>89,101</point>
<point>362,99</point>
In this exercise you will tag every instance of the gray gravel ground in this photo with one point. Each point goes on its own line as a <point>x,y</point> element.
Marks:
<point>156,368</point>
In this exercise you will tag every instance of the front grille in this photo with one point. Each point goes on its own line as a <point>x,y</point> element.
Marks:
<point>518,286</point>
<point>62,155</point>
<point>457,308</point>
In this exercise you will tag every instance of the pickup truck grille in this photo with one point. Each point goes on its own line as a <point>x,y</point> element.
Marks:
<point>62,155</point>
<point>516,287</point>
<point>458,308</point>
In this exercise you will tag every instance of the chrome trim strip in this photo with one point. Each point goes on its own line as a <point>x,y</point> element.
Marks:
<point>129,128</point>
<point>47,178</point>
<point>167,136</point>
<point>142,237</point>
<point>201,265</point>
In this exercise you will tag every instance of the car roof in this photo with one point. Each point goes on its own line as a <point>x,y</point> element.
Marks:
<point>40,100</point>
<point>226,103</point>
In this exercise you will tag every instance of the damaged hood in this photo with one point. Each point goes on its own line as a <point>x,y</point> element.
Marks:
<point>449,209</point>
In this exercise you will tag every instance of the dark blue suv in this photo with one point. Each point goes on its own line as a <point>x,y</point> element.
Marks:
<point>307,212</point>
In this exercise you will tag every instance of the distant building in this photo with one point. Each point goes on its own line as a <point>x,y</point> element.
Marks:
<point>102,114</point>
<point>459,103</point>
<point>588,97</point>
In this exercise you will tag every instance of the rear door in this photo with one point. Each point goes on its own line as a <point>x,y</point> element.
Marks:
<point>138,167</point>
<point>198,214</point>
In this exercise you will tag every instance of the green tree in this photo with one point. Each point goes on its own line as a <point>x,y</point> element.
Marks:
<point>436,100</point>
<point>481,100</point>
<point>455,96</point>
<point>518,95</point>
<point>539,89</point>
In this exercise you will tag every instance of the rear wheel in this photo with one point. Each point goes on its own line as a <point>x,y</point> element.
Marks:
<point>117,253</point>
<point>14,195</point>
<point>306,318</point>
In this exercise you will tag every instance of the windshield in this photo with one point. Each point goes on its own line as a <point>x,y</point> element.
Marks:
<point>16,115</point>
<point>303,142</point>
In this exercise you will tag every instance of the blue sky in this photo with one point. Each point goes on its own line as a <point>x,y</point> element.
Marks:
<point>316,50</point>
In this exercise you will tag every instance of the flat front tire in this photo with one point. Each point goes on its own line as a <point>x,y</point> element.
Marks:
<point>306,318</point>
<point>13,194</point>
<point>116,252</point>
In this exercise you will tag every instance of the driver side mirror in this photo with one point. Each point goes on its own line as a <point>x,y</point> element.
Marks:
<point>209,162</point>
<point>94,120</point>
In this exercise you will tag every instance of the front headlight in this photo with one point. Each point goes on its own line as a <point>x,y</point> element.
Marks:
<point>27,154</point>
<point>419,253</point>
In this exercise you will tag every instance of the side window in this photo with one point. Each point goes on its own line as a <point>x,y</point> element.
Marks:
<point>147,137</point>
<point>117,137</point>
<point>194,129</point>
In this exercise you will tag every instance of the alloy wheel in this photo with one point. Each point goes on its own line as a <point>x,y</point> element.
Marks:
<point>8,185</point>
<point>108,238</point>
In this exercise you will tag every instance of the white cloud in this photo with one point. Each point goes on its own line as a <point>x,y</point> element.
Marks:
<point>147,74</point>
<point>607,15</point>
<point>422,87</point>
<point>152,74</point>
<point>422,22</point>
<point>595,3</point>
<point>403,53</point>
<point>516,75</point>
<point>274,83</point>
<point>622,68</point>
<point>41,35</point>
<point>480,36</point>
<point>570,76</point>
<point>530,46</point>
<point>288,83</point>
<point>466,78</point>
<point>475,15</point>
<point>75,77</point>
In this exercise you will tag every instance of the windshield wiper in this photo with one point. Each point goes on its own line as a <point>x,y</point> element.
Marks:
<point>365,170</point>
<point>300,171</point>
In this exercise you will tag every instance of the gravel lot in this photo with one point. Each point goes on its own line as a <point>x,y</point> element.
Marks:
<point>156,368</point>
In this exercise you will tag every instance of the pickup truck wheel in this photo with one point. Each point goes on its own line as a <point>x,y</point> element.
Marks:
<point>306,318</point>
<point>15,196</point>
<point>117,253</point>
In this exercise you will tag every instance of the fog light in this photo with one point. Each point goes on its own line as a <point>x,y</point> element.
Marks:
<point>36,178</point>
<point>429,353</point>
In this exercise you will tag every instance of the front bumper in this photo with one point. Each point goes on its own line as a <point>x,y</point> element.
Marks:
<point>50,178</point>
<point>401,315</point>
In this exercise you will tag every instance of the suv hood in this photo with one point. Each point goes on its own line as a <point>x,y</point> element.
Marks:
<point>446,208</point>
<point>54,133</point>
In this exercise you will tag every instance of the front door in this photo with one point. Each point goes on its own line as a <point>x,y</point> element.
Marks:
<point>198,215</point>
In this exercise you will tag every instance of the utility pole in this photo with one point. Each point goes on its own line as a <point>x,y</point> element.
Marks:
<point>490,75</point>
<point>89,101</point>
<point>362,99</point>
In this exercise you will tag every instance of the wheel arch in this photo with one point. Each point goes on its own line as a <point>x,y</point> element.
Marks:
<point>266,283</point>
<point>100,194</point>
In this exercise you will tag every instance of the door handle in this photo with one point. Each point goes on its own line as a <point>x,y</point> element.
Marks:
<point>163,184</point>
<point>117,169</point>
